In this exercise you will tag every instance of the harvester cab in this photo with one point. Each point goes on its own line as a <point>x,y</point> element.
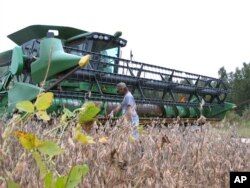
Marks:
<point>49,57</point>
<point>99,43</point>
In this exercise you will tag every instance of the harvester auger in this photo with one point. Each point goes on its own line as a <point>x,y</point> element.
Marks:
<point>158,91</point>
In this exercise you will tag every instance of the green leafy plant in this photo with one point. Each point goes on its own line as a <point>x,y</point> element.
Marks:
<point>12,184</point>
<point>88,113</point>
<point>82,138</point>
<point>42,103</point>
<point>71,180</point>
<point>43,152</point>
<point>31,143</point>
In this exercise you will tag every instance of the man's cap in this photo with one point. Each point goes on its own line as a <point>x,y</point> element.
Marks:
<point>121,85</point>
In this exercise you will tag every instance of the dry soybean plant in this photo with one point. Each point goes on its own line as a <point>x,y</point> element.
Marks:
<point>173,156</point>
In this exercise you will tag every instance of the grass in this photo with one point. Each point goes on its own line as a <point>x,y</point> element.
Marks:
<point>171,156</point>
<point>244,132</point>
<point>242,124</point>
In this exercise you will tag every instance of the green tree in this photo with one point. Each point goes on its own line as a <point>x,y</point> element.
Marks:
<point>222,73</point>
<point>227,79</point>
<point>239,84</point>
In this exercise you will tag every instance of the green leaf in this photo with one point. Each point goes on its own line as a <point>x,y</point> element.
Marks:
<point>88,112</point>
<point>40,164</point>
<point>27,140</point>
<point>44,101</point>
<point>50,148</point>
<point>25,106</point>
<point>60,182</point>
<point>12,184</point>
<point>76,174</point>
<point>48,180</point>
<point>43,115</point>
<point>84,139</point>
<point>63,119</point>
<point>68,113</point>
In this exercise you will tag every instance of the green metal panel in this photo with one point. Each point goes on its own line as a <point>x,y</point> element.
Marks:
<point>219,111</point>
<point>103,111</point>
<point>170,111</point>
<point>84,86</point>
<point>39,31</point>
<point>16,66</point>
<point>59,103</point>
<point>194,112</point>
<point>21,92</point>
<point>59,60</point>
<point>109,89</point>
<point>3,103</point>
<point>182,111</point>
<point>72,104</point>
<point>5,82</point>
<point>70,85</point>
<point>206,111</point>
<point>5,58</point>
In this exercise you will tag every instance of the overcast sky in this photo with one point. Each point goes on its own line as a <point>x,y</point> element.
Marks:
<point>191,35</point>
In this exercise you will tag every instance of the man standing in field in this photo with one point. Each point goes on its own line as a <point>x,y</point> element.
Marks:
<point>128,107</point>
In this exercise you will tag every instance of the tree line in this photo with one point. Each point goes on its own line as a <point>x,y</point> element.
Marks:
<point>239,84</point>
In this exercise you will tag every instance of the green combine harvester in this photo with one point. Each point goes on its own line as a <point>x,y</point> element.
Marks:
<point>53,53</point>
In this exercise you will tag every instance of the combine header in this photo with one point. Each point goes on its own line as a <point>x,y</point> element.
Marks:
<point>52,53</point>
